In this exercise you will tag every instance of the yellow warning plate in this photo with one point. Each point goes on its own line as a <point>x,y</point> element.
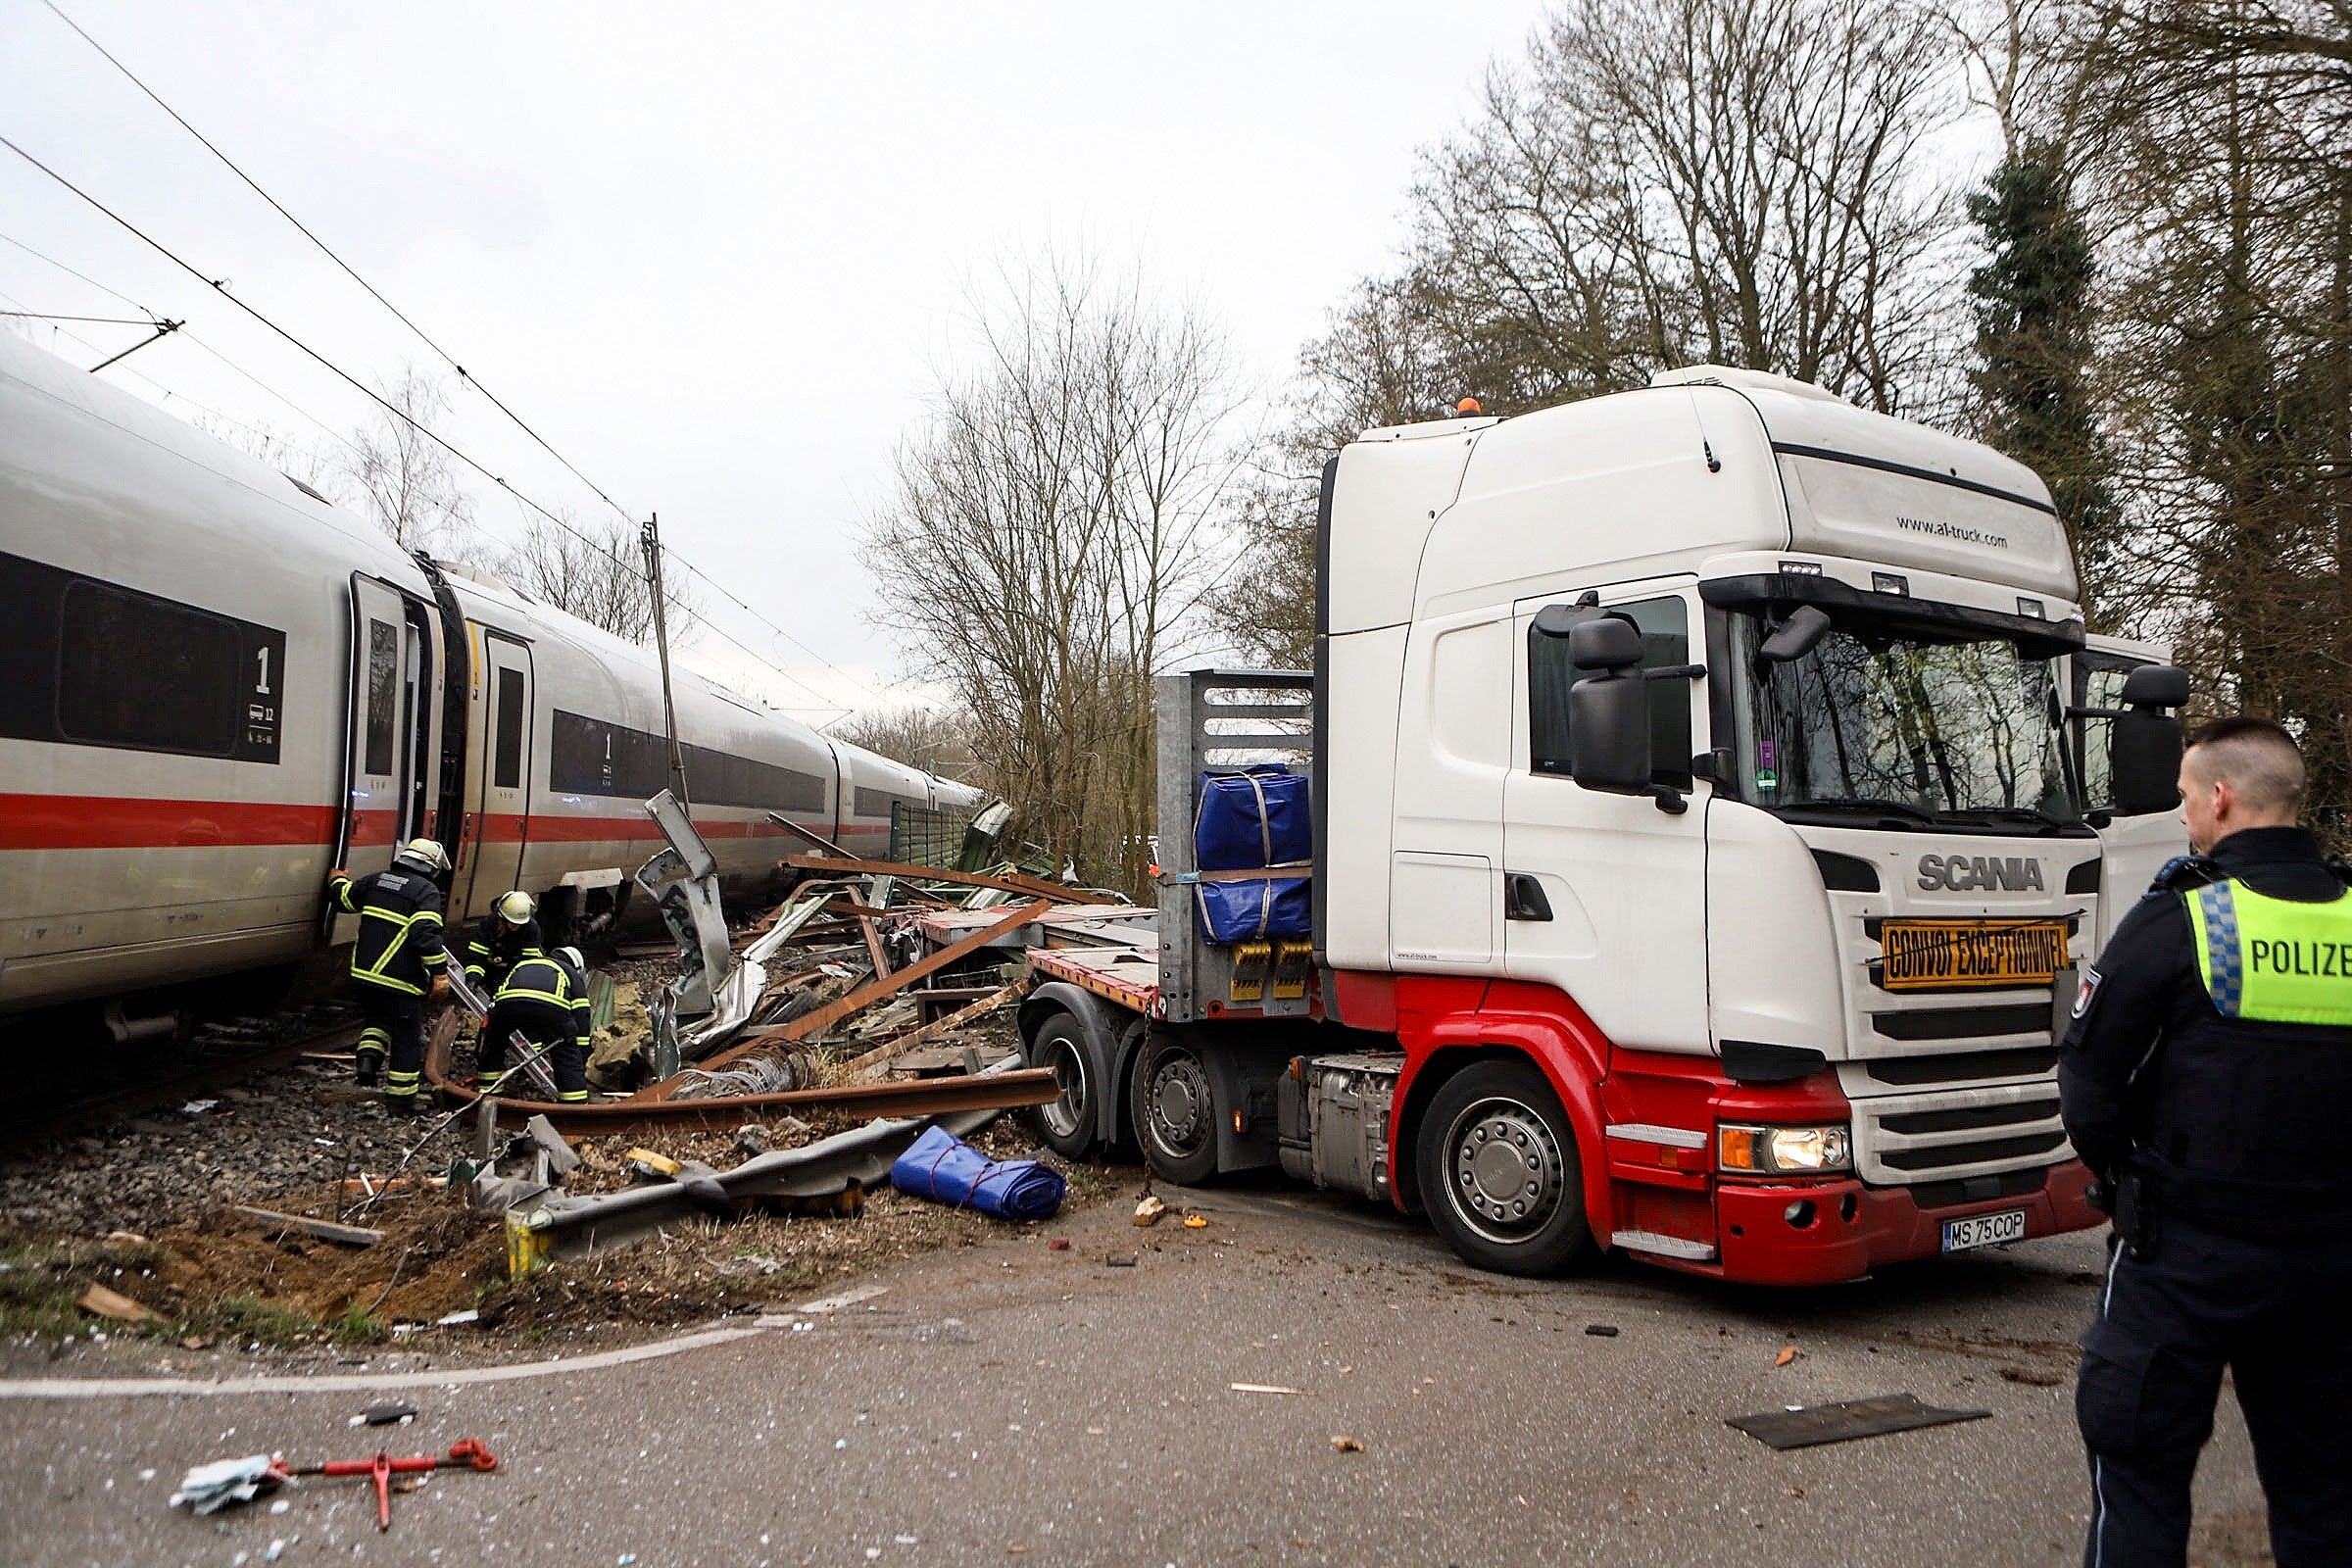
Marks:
<point>1970,954</point>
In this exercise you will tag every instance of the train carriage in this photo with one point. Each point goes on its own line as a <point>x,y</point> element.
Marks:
<point>215,686</point>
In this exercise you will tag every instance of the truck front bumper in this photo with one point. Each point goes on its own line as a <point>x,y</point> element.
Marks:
<point>1825,1232</point>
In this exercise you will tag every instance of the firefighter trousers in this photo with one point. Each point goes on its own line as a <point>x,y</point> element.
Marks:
<point>2272,1313</point>
<point>393,1026</point>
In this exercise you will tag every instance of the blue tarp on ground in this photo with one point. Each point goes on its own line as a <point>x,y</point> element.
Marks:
<point>944,1167</point>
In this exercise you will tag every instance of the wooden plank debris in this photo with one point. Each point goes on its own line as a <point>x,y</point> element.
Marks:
<point>323,1229</point>
<point>103,1303</point>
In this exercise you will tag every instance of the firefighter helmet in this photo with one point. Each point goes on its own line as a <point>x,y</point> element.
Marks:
<point>515,908</point>
<point>427,853</point>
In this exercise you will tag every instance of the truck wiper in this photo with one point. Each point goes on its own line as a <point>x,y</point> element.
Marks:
<point>1860,803</point>
<point>2006,813</point>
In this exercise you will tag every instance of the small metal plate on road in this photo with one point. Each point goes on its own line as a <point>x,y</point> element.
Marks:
<point>1846,1420</point>
<point>1984,1230</point>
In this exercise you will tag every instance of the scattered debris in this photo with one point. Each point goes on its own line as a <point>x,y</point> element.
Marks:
<point>943,1167</point>
<point>197,1107</point>
<point>211,1488</point>
<point>124,1238</point>
<point>321,1229</point>
<point>1602,1331</point>
<point>2032,1377</point>
<point>103,1303</point>
<point>1149,1212</point>
<point>1787,1355</point>
<point>1119,1261</point>
<point>1343,1443</point>
<point>1060,1244</point>
<point>1262,1388</point>
<point>389,1412</point>
<point>1196,1222</point>
<point>466,1454</point>
<point>561,1159</point>
<point>1802,1427</point>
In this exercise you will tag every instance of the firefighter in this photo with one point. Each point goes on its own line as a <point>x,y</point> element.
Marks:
<point>398,959</point>
<point>545,1000</point>
<point>2204,1081</point>
<point>501,939</point>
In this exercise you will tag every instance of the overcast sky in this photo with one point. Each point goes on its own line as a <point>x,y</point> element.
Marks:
<point>717,256</point>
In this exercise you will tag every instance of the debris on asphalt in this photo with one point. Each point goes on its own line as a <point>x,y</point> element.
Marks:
<point>197,1107</point>
<point>1602,1331</point>
<point>211,1488</point>
<point>1787,1355</point>
<point>389,1412</point>
<point>1149,1212</point>
<point>1343,1443</point>
<point>1196,1222</point>
<point>1119,1261</point>
<point>1262,1388</point>
<point>1060,1244</point>
<point>103,1303</point>
<point>945,1169</point>
<point>1803,1426</point>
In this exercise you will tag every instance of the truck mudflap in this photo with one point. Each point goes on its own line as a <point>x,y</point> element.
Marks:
<point>1828,1233</point>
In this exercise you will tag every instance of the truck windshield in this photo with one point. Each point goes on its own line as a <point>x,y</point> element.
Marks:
<point>1920,725</point>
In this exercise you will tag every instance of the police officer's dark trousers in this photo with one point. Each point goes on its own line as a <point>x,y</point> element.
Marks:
<point>2275,1313</point>
<point>392,1022</point>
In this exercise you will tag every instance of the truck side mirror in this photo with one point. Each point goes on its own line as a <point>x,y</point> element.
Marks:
<point>2145,745</point>
<point>1608,708</point>
<point>1795,637</point>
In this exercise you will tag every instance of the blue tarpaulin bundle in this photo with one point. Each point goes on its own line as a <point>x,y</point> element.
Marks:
<point>1245,912</point>
<point>1261,816</point>
<point>944,1167</point>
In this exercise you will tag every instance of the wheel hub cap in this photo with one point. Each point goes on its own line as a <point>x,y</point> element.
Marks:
<point>1508,1169</point>
<point>1180,1102</point>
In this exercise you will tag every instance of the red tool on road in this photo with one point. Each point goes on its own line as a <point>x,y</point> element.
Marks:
<point>466,1454</point>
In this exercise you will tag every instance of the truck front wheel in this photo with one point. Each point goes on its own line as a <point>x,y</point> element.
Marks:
<point>1499,1171</point>
<point>1176,1114</point>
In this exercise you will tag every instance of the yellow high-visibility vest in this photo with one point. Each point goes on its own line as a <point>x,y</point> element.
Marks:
<point>2276,960</point>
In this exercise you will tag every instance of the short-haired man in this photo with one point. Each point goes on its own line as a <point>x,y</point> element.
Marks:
<point>2207,1081</point>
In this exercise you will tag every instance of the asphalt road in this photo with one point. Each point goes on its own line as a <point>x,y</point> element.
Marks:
<point>1008,1403</point>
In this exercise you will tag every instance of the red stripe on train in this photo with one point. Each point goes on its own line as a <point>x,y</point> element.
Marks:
<point>114,822</point>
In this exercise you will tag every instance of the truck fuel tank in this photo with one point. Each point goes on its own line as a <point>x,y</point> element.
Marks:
<point>1334,1117</point>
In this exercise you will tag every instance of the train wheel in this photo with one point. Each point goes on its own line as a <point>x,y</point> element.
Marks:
<point>1176,1114</point>
<point>1499,1171</point>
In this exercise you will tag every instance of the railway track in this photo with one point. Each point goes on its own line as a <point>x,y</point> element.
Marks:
<point>58,1098</point>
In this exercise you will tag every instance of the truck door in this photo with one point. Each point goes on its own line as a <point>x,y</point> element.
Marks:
<point>1621,921</point>
<point>2132,849</point>
<point>500,804</point>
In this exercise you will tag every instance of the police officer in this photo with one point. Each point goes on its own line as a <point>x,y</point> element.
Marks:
<point>2207,1081</point>
<point>501,939</point>
<point>545,1000</point>
<point>394,963</point>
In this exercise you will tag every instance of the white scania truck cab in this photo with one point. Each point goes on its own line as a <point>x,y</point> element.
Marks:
<point>1700,861</point>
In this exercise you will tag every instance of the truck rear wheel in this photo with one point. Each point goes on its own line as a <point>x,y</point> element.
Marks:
<point>1499,1171</point>
<point>1176,1114</point>
<point>1066,1125</point>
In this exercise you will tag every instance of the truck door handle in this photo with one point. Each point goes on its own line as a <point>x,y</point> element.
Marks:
<point>1523,897</point>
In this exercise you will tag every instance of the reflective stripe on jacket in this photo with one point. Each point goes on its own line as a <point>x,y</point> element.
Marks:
<point>546,999</point>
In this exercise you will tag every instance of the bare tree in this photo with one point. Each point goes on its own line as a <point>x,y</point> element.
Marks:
<point>1047,541</point>
<point>934,739</point>
<point>403,479</point>
<point>597,572</point>
<point>299,462</point>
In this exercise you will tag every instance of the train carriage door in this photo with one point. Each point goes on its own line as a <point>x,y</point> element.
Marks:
<point>384,762</point>
<point>502,731</point>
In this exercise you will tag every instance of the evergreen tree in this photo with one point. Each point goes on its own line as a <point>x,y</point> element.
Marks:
<point>2033,305</point>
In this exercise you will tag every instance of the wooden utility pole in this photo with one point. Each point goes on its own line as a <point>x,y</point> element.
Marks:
<point>650,537</point>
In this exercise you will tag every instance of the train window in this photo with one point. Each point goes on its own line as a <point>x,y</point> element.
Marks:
<point>508,764</point>
<point>135,670</point>
<point>383,696</point>
<point>588,756</point>
<point>875,802</point>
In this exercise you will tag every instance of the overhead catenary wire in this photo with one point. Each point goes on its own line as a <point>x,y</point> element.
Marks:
<point>452,361</point>
<point>92,320</point>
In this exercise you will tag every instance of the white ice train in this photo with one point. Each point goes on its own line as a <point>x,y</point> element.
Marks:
<point>215,686</point>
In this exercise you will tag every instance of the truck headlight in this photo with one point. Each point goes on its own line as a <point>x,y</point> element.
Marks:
<point>1783,1150</point>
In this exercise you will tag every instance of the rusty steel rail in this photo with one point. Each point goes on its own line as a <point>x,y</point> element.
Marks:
<point>921,1096</point>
